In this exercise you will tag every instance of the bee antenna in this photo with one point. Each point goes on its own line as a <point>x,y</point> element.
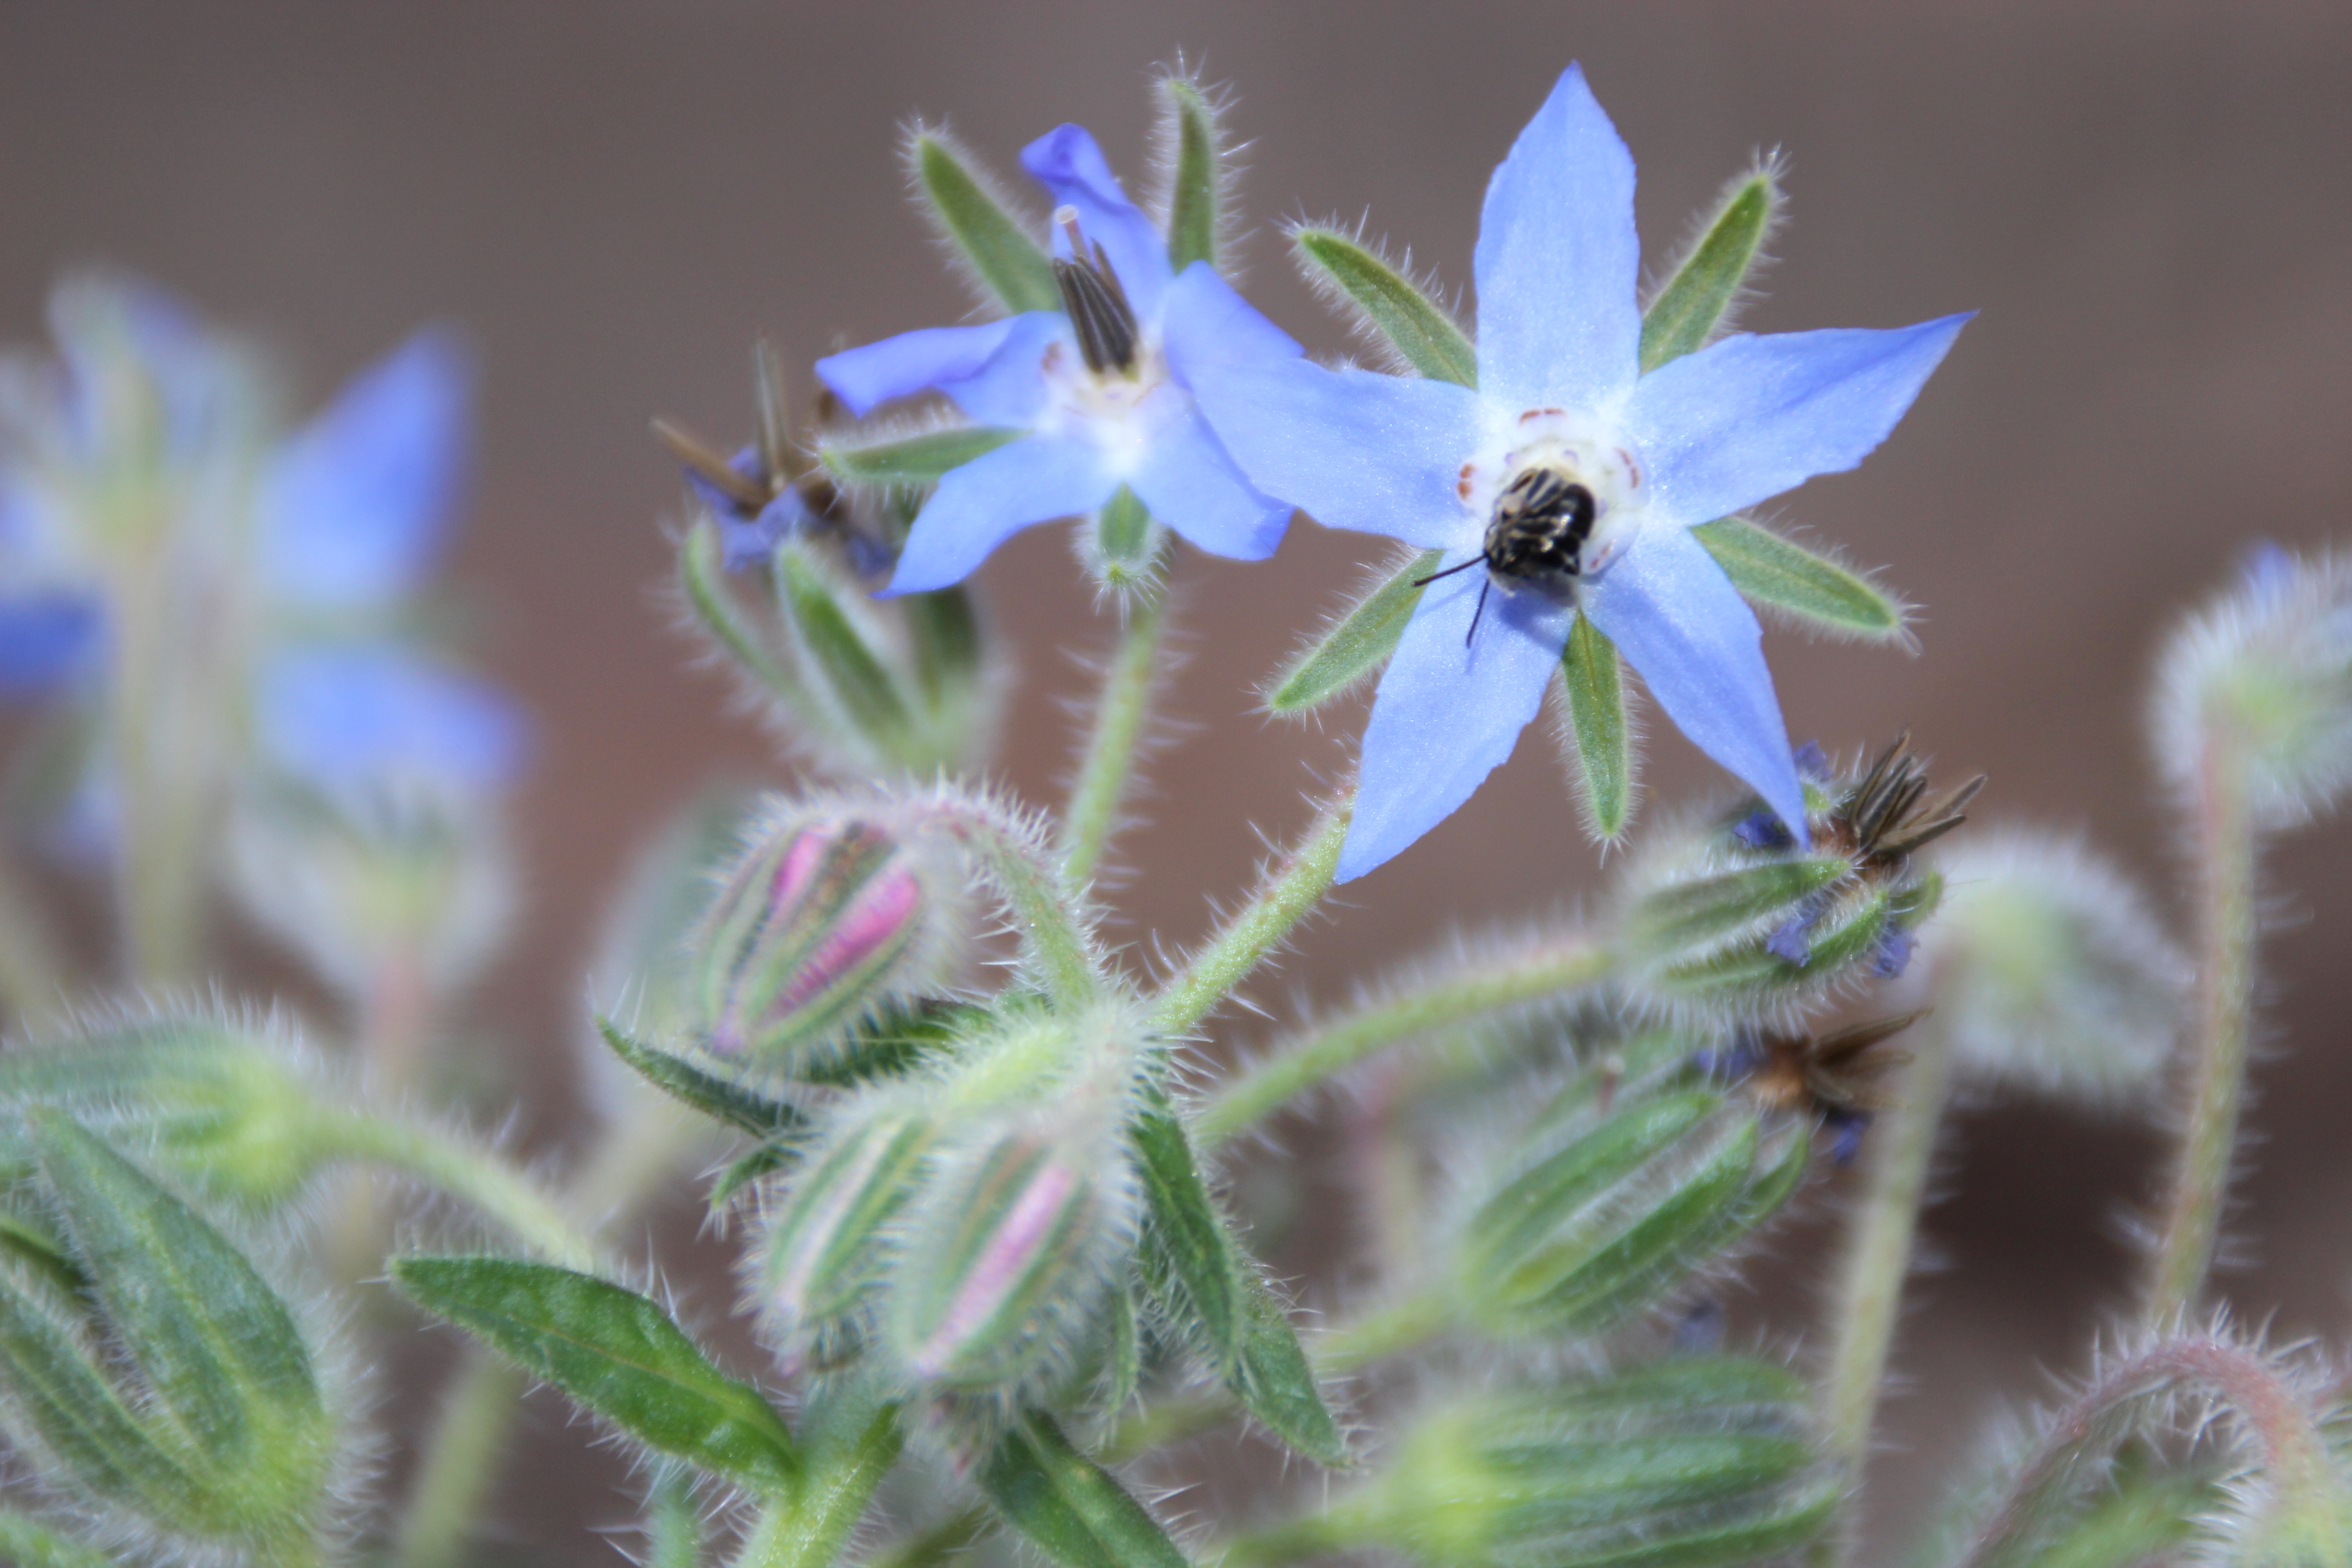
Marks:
<point>1433,576</point>
<point>1484,588</point>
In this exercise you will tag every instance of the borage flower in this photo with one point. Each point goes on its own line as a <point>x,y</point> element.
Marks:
<point>1090,397</point>
<point>1571,478</point>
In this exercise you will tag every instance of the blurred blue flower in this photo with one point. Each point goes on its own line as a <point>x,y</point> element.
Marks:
<point>1096,389</point>
<point>1603,471</point>
<point>748,536</point>
<point>331,533</point>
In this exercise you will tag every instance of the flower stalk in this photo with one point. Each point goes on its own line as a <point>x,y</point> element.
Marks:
<point>1120,713</point>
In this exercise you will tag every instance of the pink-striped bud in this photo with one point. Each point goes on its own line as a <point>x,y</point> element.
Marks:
<point>825,918</point>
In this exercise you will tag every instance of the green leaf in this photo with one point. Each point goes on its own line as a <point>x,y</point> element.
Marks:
<point>227,1364</point>
<point>1000,251</point>
<point>915,460</point>
<point>1687,311</point>
<point>1194,196</point>
<point>1067,1506</point>
<point>615,1353</point>
<point>1785,576</point>
<point>829,635</point>
<point>1597,721</point>
<point>1388,302</point>
<point>763,1161</point>
<point>1188,1257</point>
<point>706,1092</point>
<point>1357,646</point>
<point>1276,1380</point>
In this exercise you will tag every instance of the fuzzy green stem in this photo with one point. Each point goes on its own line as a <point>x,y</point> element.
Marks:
<point>1287,892</point>
<point>1868,1294</point>
<point>487,1182</point>
<point>2289,1451</point>
<point>461,1463</point>
<point>159,858</point>
<point>1514,981</point>
<point>809,1530</point>
<point>1118,719</point>
<point>2216,1080</point>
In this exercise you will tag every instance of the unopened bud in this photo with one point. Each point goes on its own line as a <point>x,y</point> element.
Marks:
<point>1004,1274</point>
<point>1610,1203</point>
<point>829,915</point>
<point>831,1238</point>
<point>2051,971</point>
<point>1692,1459</point>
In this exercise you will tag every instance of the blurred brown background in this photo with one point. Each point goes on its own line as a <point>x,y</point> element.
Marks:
<point>2147,202</point>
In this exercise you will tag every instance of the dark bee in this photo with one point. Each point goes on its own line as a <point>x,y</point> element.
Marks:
<point>1541,523</point>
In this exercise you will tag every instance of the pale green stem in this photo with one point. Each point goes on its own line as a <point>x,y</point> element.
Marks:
<point>1292,1070</point>
<point>2216,1082</point>
<point>159,856</point>
<point>1119,716</point>
<point>1868,1295</point>
<point>487,1183</point>
<point>810,1528</point>
<point>1050,921</point>
<point>394,1026</point>
<point>2290,1458</point>
<point>1288,891</point>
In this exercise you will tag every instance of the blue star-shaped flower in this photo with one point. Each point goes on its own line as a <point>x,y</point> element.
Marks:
<point>1574,478</point>
<point>1095,388</point>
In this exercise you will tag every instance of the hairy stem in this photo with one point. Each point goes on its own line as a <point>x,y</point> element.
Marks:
<point>488,1184</point>
<point>1868,1295</point>
<point>1285,895</point>
<point>1512,981</point>
<point>809,1530</point>
<point>461,1462</point>
<point>1118,719</point>
<point>2214,1087</point>
<point>157,743</point>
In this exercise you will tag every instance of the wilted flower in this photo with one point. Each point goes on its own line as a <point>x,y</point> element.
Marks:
<point>1090,397</point>
<point>1571,478</point>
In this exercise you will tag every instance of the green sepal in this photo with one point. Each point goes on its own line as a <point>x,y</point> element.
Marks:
<point>41,1253</point>
<point>1187,1258</point>
<point>1598,725</point>
<point>1069,1507</point>
<point>1747,973</point>
<point>1687,311</point>
<point>1781,576</point>
<point>673,1527</point>
<point>1127,542</point>
<point>1195,192</point>
<point>1356,646</point>
<point>991,241</point>
<point>1683,915</point>
<point>617,1354</point>
<point>1276,1383</point>
<point>713,1096</point>
<point>893,1040</point>
<point>702,579</point>
<point>2142,1516</point>
<point>816,607</point>
<point>30,1544</point>
<point>228,1367</point>
<point>913,459</point>
<point>1388,303</point>
<point>740,1172</point>
<point>943,630</point>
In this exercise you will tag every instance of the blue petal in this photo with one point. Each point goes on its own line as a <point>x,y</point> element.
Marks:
<point>1074,171</point>
<point>356,717</point>
<point>1559,261</point>
<point>751,541</point>
<point>1743,419</point>
<point>1208,322</point>
<point>46,640</point>
<point>981,504</point>
<point>1678,621</point>
<point>1381,454</point>
<point>1447,714</point>
<point>354,506</point>
<point>1191,485</point>
<point>993,367</point>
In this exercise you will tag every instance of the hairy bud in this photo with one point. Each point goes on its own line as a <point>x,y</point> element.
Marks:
<point>828,916</point>
<point>2050,970</point>
<point>833,1236</point>
<point>1690,1461</point>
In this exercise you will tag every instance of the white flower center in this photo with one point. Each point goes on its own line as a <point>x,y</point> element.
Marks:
<point>1118,410</point>
<point>1557,500</point>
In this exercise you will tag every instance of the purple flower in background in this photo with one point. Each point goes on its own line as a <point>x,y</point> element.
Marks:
<point>1091,398</point>
<point>1571,478</point>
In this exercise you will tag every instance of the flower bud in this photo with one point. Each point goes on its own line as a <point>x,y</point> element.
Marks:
<point>1610,1202</point>
<point>1736,922</point>
<point>2261,680</point>
<point>2050,970</point>
<point>1690,1460</point>
<point>1004,1272</point>
<point>830,1239</point>
<point>827,917</point>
